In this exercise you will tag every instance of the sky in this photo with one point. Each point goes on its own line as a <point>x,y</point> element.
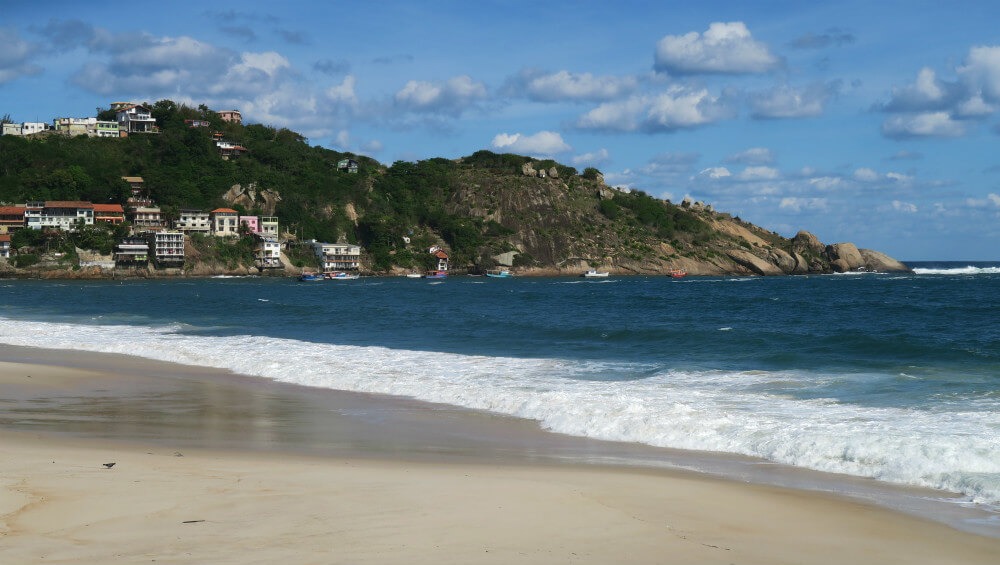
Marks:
<point>871,122</point>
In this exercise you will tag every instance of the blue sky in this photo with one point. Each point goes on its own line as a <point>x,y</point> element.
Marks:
<point>871,122</point>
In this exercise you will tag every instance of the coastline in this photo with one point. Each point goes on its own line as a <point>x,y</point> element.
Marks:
<point>236,494</point>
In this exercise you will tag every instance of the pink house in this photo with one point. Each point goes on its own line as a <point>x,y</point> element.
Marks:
<point>252,223</point>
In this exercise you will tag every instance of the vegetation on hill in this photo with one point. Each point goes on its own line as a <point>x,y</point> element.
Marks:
<point>477,207</point>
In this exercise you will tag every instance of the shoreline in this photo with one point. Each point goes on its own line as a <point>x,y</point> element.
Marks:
<point>537,488</point>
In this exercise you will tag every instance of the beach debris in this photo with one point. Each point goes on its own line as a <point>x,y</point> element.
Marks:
<point>109,465</point>
<point>191,521</point>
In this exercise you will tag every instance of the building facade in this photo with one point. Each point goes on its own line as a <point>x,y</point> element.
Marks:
<point>4,246</point>
<point>135,119</point>
<point>11,218</point>
<point>167,248</point>
<point>337,256</point>
<point>269,225</point>
<point>58,214</point>
<point>225,222</point>
<point>109,213</point>
<point>193,221</point>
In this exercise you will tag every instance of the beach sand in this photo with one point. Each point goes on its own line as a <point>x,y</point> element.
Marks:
<point>203,480</point>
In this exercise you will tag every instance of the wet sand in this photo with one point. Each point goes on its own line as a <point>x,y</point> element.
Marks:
<point>215,467</point>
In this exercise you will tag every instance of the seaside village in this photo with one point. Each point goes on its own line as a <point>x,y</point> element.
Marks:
<point>153,241</point>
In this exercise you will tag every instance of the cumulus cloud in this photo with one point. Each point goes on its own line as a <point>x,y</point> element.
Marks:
<point>724,48</point>
<point>832,37</point>
<point>677,108</point>
<point>545,143</point>
<point>790,102</point>
<point>752,156</point>
<point>715,173</point>
<point>450,97</point>
<point>796,204</point>
<point>343,92</point>
<point>759,173</point>
<point>930,124</point>
<point>901,206</point>
<point>15,57</point>
<point>566,86</point>
<point>592,158</point>
<point>981,71</point>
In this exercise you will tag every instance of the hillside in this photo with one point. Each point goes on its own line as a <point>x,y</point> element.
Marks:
<point>485,208</point>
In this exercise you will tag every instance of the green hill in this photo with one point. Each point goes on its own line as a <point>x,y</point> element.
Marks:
<point>547,217</point>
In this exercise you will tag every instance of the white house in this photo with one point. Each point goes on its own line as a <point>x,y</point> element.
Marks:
<point>135,119</point>
<point>269,225</point>
<point>4,246</point>
<point>337,256</point>
<point>167,248</point>
<point>28,128</point>
<point>225,221</point>
<point>58,214</point>
<point>193,221</point>
<point>267,253</point>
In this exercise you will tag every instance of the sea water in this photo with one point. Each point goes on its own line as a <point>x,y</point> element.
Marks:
<point>893,377</point>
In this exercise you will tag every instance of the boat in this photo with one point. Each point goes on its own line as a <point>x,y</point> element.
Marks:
<point>595,274</point>
<point>499,273</point>
<point>436,275</point>
<point>341,276</point>
<point>413,275</point>
<point>311,277</point>
<point>678,273</point>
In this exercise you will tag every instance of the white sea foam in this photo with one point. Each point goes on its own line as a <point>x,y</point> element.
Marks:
<point>698,410</point>
<point>968,270</point>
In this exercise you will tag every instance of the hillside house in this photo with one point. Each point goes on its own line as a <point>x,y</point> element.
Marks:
<point>4,246</point>
<point>109,213</point>
<point>229,149</point>
<point>267,253</point>
<point>28,128</point>
<point>11,218</point>
<point>196,123</point>
<point>347,165</point>
<point>104,129</point>
<point>442,257</point>
<point>269,225</point>
<point>167,248</point>
<point>193,221</point>
<point>337,256</point>
<point>231,116</point>
<point>58,214</point>
<point>135,119</point>
<point>133,251</point>
<point>74,126</point>
<point>252,223</point>
<point>11,129</point>
<point>144,216</point>
<point>225,221</point>
<point>137,185</point>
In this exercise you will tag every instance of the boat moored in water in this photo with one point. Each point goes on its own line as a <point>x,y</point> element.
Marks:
<point>595,274</point>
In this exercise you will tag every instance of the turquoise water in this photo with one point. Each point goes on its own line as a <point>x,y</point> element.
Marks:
<point>890,376</point>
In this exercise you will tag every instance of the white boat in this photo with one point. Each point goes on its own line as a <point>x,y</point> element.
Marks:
<point>341,276</point>
<point>595,274</point>
<point>414,276</point>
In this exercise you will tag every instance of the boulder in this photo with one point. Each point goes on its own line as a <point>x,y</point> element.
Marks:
<point>806,242</point>
<point>844,257</point>
<point>782,260</point>
<point>753,263</point>
<point>553,173</point>
<point>880,262</point>
<point>528,171</point>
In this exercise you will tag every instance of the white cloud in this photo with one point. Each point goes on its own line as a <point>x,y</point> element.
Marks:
<point>598,157</point>
<point>564,85</point>
<point>826,183</point>
<point>995,199</point>
<point>715,173</point>
<point>982,71</point>
<point>15,56</point>
<point>759,173</point>
<point>343,92</point>
<point>545,143</point>
<point>753,156</point>
<point>677,108</point>
<point>798,204</point>
<point>904,206</point>
<point>789,102</point>
<point>932,124</point>
<point>722,48</point>
<point>865,174</point>
<point>899,177</point>
<point>451,97</point>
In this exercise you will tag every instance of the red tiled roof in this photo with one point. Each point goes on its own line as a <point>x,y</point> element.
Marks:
<point>8,210</point>
<point>67,204</point>
<point>440,254</point>
<point>117,208</point>
<point>5,237</point>
<point>224,211</point>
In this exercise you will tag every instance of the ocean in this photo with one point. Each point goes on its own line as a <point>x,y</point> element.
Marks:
<point>891,377</point>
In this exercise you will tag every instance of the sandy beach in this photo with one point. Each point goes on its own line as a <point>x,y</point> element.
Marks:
<point>205,480</point>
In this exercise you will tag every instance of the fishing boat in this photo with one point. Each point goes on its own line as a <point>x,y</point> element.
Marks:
<point>341,276</point>
<point>304,277</point>
<point>595,274</point>
<point>436,275</point>
<point>499,273</point>
<point>678,273</point>
<point>413,275</point>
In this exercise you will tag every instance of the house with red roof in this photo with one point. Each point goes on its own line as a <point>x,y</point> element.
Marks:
<point>225,221</point>
<point>11,218</point>
<point>109,213</point>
